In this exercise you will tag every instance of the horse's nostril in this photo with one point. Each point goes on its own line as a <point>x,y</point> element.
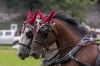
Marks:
<point>20,54</point>
<point>34,55</point>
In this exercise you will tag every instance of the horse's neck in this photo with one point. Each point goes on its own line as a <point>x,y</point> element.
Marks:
<point>66,37</point>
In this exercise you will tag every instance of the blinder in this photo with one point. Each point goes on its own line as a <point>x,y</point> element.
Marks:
<point>29,34</point>
<point>45,32</point>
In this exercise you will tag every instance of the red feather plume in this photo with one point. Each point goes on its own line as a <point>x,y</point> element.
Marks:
<point>48,18</point>
<point>32,20</point>
<point>29,14</point>
<point>40,14</point>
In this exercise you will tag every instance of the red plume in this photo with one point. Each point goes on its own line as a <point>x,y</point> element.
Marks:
<point>32,20</point>
<point>41,15</point>
<point>29,14</point>
<point>48,18</point>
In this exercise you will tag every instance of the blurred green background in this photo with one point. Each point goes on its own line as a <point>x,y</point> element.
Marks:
<point>8,57</point>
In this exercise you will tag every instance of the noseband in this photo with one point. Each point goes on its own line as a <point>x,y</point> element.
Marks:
<point>27,46</point>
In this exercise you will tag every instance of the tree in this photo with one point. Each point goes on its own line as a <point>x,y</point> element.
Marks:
<point>77,8</point>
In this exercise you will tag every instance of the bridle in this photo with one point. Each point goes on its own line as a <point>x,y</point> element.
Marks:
<point>43,43</point>
<point>27,46</point>
<point>31,39</point>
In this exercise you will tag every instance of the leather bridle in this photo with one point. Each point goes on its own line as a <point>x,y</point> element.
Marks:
<point>27,46</point>
<point>43,43</point>
<point>31,39</point>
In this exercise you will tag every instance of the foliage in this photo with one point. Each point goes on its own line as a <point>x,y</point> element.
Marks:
<point>77,8</point>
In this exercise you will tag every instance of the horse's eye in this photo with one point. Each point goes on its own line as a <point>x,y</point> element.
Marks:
<point>29,34</point>
<point>45,32</point>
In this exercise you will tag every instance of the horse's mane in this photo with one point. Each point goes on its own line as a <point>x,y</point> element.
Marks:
<point>70,20</point>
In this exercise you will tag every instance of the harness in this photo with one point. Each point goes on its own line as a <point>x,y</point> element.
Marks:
<point>70,54</point>
<point>66,57</point>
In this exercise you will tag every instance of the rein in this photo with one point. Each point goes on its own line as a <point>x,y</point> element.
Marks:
<point>89,43</point>
<point>70,54</point>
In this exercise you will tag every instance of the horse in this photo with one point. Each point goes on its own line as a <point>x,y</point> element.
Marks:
<point>26,39</point>
<point>72,47</point>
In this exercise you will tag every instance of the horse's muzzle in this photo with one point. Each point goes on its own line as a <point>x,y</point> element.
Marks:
<point>34,55</point>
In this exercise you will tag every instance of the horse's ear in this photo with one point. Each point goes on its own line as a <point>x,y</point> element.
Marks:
<point>29,14</point>
<point>48,18</point>
<point>40,14</point>
<point>32,20</point>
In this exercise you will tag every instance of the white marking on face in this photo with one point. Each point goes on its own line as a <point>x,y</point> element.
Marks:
<point>23,39</point>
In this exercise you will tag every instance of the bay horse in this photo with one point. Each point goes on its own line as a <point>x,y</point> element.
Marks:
<point>60,29</point>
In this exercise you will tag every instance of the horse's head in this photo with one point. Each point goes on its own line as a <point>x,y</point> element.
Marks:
<point>45,35</point>
<point>25,42</point>
<point>26,36</point>
<point>60,28</point>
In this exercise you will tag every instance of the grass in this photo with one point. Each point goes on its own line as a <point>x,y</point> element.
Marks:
<point>6,47</point>
<point>8,57</point>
